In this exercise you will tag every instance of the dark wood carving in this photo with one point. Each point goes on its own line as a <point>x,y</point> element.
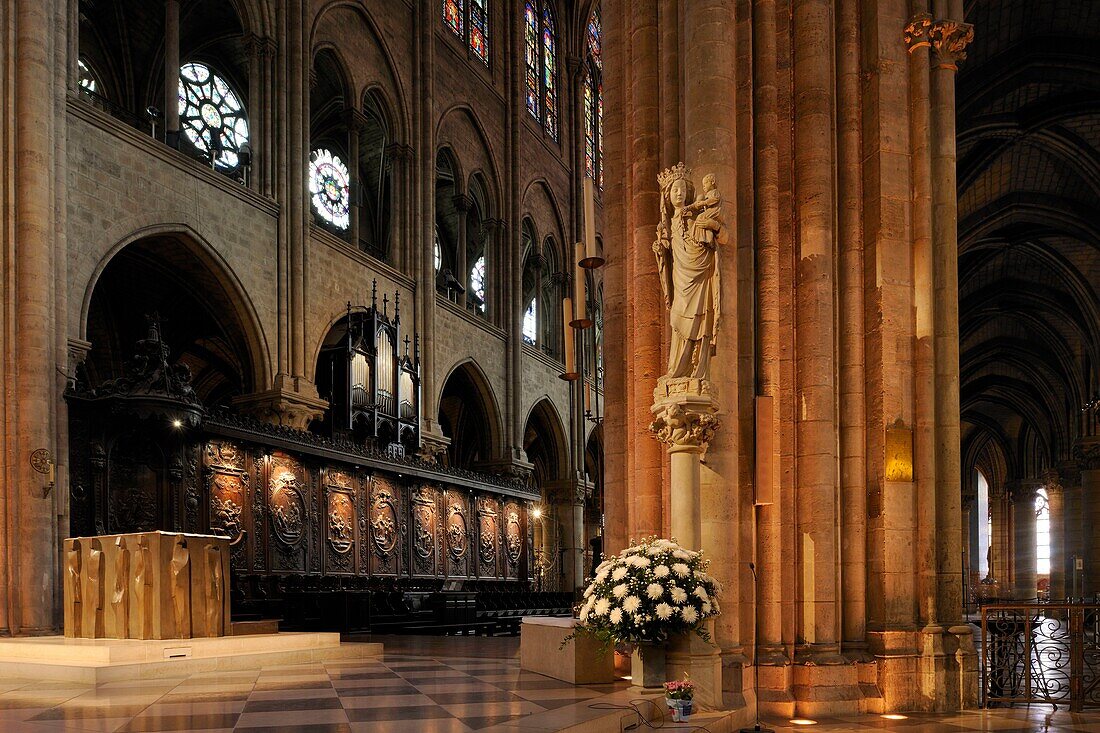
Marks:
<point>385,527</point>
<point>287,512</point>
<point>513,539</point>
<point>488,537</point>
<point>457,534</point>
<point>340,523</point>
<point>423,539</point>
<point>136,490</point>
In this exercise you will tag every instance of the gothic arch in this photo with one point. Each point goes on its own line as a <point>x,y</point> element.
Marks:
<point>169,269</point>
<point>470,416</point>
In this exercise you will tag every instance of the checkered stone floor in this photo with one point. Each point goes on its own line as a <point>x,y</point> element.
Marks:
<point>396,693</point>
<point>421,685</point>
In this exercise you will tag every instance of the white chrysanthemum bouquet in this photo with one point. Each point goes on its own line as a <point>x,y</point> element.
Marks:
<point>649,591</point>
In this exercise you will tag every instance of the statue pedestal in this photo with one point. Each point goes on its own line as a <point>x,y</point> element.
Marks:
<point>701,661</point>
<point>148,585</point>
<point>685,412</point>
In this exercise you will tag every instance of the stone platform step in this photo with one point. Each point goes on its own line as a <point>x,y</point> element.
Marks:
<point>95,661</point>
<point>259,626</point>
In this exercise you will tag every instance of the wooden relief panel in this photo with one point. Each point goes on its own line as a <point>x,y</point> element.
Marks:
<point>513,539</point>
<point>135,484</point>
<point>385,527</point>
<point>228,491</point>
<point>424,527</point>
<point>288,498</point>
<point>456,531</point>
<point>260,538</point>
<point>488,537</point>
<point>339,522</point>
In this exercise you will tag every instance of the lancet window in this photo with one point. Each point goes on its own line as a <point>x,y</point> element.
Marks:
<point>540,57</point>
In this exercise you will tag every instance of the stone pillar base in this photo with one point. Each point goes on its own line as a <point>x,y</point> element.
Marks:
<point>292,402</point>
<point>775,679</point>
<point>702,662</point>
<point>824,684</point>
<point>930,670</point>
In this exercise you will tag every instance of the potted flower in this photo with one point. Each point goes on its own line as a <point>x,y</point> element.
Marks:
<point>645,594</point>
<point>678,696</point>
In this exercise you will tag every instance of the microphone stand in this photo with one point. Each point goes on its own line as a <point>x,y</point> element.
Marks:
<point>756,655</point>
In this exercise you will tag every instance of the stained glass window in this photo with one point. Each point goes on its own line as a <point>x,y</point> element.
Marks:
<point>328,188</point>
<point>599,135</point>
<point>212,115</point>
<point>593,102</point>
<point>452,15</point>
<point>589,125</point>
<point>88,80</point>
<point>531,56</point>
<point>1042,533</point>
<point>477,281</point>
<point>595,41</point>
<point>549,73</point>
<point>479,29</point>
<point>530,323</point>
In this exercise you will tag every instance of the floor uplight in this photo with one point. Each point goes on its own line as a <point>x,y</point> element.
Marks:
<point>895,716</point>
<point>803,721</point>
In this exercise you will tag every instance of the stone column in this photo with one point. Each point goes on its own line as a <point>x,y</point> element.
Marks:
<point>355,120</point>
<point>815,198</point>
<point>171,72</point>
<point>646,313</point>
<point>685,418</point>
<point>1023,526</point>
<point>1087,455</point>
<point>949,40</point>
<point>1056,506</point>
<point>1073,519</point>
<point>462,204</point>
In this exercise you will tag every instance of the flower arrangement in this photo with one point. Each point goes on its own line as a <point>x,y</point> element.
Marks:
<point>649,591</point>
<point>680,689</point>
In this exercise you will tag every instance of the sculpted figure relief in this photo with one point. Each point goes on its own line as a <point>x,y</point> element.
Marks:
<point>180,568</point>
<point>72,565</point>
<point>120,599</point>
<point>143,595</point>
<point>688,237</point>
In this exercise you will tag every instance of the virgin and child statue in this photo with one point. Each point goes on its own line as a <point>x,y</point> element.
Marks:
<point>688,237</point>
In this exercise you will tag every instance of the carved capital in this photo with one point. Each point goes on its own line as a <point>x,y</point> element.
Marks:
<point>399,152</point>
<point>281,406</point>
<point>261,46</point>
<point>1087,453</point>
<point>354,119</point>
<point>950,39</point>
<point>463,202</point>
<point>432,452</point>
<point>917,32</point>
<point>686,420</point>
<point>1052,480</point>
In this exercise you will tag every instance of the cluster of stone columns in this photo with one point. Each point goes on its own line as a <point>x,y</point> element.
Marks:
<point>836,469</point>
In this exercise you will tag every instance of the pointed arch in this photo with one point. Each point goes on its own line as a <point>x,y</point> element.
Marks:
<point>469,414</point>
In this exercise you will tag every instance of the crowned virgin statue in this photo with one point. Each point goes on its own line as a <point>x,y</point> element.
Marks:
<point>688,236</point>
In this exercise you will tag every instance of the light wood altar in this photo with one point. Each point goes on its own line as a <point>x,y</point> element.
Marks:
<point>147,585</point>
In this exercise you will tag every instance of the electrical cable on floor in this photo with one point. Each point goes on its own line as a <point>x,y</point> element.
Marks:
<point>644,722</point>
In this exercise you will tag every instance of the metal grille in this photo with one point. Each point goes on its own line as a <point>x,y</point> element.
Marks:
<point>1041,653</point>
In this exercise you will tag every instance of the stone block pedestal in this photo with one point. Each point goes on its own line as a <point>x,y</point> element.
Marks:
<point>580,662</point>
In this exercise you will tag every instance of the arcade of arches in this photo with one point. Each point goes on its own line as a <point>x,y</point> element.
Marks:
<point>349,228</point>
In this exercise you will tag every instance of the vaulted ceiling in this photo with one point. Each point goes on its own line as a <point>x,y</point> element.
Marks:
<point>1028,106</point>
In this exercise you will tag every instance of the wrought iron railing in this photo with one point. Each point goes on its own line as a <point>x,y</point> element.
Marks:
<point>1035,653</point>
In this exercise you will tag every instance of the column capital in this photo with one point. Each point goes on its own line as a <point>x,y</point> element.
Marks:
<point>354,119</point>
<point>1086,453</point>
<point>463,202</point>
<point>685,414</point>
<point>1023,491</point>
<point>261,46</point>
<point>917,32</point>
<point>399,152</point>
<point>1052,480</point>
<point>950,39</point>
